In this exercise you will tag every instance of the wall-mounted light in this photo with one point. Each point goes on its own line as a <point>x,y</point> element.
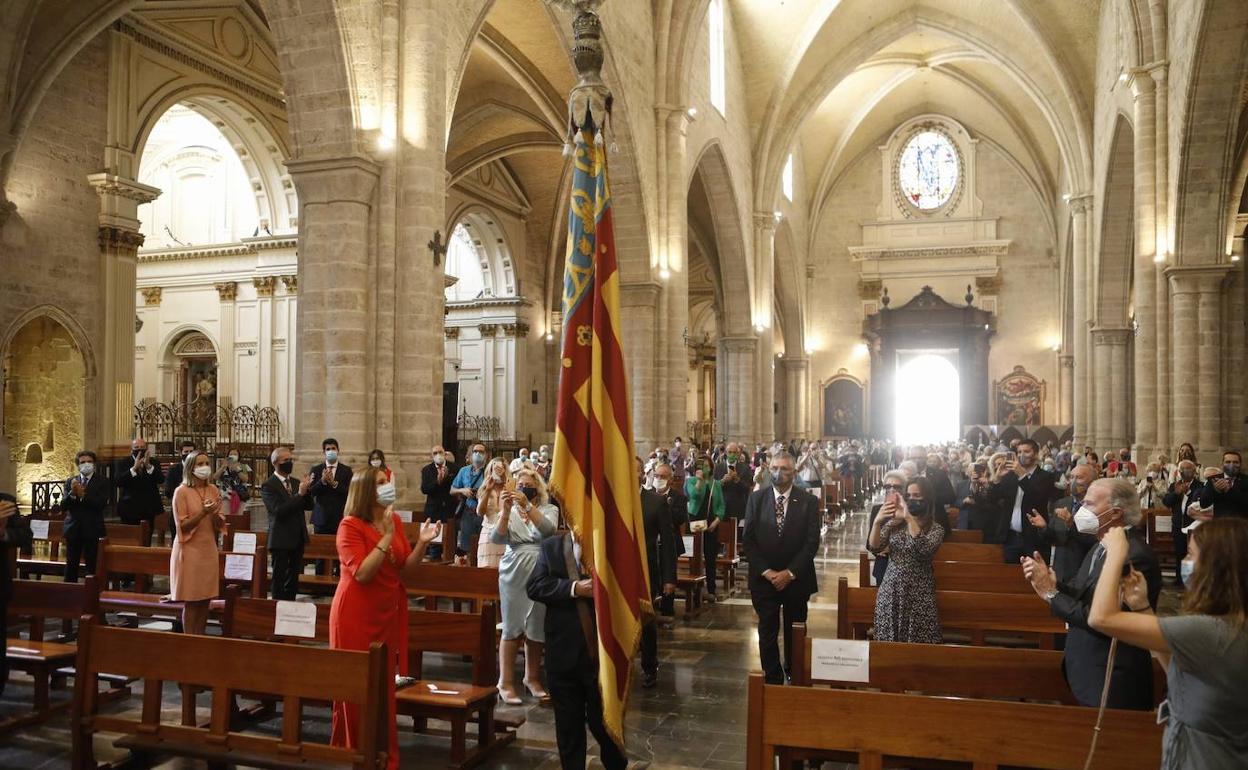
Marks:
<point>692,112</point>
<point>1066,197</point>
<point>1159,258</point>
<point>550,336</point>
<point>1234,257</point>
<point>665,274</point>
<point>810,351</point>
<point>779,215</point>
<point>385,142</point>
<point>1123,78</point>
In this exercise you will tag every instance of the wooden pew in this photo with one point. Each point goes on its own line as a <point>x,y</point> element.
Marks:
<point>320,548</point>
<point>726,563</point>
<point>146,563</point>
<point>874,727</point>
<point>30,565</point>
<point>432,581</point>
<point>964,536</point>
<point>976,613</point>
<point>985,576</point>
<point>291,673</point>
<point>33,602</point>
<point>691,581</point>
<point>1161,539</point>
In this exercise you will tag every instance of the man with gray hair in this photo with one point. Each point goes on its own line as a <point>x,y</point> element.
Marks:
<point>1109,502</point>
<point>286,499</point>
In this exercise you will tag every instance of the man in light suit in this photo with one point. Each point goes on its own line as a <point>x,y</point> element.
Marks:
<point>1111,502</point>
<point>781,539</point>
<point>286,499</point>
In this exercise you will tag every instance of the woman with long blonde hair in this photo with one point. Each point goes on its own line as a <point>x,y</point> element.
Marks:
<point>489,504</point>
<point>194,566</point>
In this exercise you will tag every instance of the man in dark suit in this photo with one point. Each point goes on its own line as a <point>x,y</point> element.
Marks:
<point>1228,493</point>
<point>173,476</point>
<point>139,478</point>
<point>781,539</point>
<point>942,487</point>
<point>286,499</point>
<point>571,650</point>
<point>1109,503</point>
<point>660,533</point>
<point>330,482</point>
<point>1059,528</point>
<point>1022,489</point>
<point>1183,492</point>
<point>83,500</point>
<point>733,473</point>
<point>14,533</point>
<point>435,484</point>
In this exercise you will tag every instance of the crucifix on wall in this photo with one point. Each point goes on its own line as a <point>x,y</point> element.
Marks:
<point>437,247</point>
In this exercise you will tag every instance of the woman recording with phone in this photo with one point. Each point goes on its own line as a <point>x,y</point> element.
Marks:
<point>1204,648</point>
<point>905,605</point>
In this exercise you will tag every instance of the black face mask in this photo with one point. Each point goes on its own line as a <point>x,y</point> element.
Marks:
<point>286,467</point>
<point>529,492</point>
<point>136,453</point>
<point>916,507</point>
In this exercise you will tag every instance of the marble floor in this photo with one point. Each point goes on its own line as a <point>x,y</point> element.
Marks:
<point>694,718</point>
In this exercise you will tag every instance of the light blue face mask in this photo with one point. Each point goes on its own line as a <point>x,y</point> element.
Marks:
<point>1186,567</point>
<point>331,455</point>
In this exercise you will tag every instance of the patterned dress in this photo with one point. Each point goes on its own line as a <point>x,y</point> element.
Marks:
<point>905,605</point>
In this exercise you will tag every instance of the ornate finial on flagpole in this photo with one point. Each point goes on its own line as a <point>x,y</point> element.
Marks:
<point>590,100</point>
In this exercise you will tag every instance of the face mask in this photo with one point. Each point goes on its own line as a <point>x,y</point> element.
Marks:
<point>732,458</point>
<point>530,493</point>
<point>136,452</point>
<point>86,469</point>
<point>439,458</point>
<point>916,507</point>
<point>660,485</point>
<point>386,494</point>
<point>202,472</point>
<point>533,457</point>
<point>1186,567</point>
<point>1230,469</point>
<point>780,478</point>
<point>286,467</point>
<point>331,455</point>
<point>375,462</point>
<point>1087,522</point>
<point>498,478</point>
<point>186,453</point>
<point>478,458</point>
<point>545,456</point>
<point>1048,467</point>
<point>233,458</point>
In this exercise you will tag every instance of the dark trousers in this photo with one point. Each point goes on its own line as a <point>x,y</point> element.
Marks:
<point>4,634</point>
<point>577,704</point>
<point>710,552</point>
<point>1014,547</point>
<point>76,549</point>
<point>649,648</point>
<point>769,606</point>
<point>287,564</point>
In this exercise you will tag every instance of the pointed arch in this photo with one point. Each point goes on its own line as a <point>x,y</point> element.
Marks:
<point>1117,231</point>
<point>712,189</point>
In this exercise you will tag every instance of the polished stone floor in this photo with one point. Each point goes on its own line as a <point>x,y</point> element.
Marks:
<point>694,718</point>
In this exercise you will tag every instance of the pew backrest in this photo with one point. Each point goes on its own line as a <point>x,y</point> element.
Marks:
<point>455,633</point>
<point>35,601</point>
<point>253,618</point>
<point>439,580</point>
<point>990,577</point>
<point>147,562</point>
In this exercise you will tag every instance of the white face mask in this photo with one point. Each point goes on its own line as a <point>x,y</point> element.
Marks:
<point>1086,521</point>
<point>375,462</point>
<point>498,478</point>
<point>439,458</point>
<point>386,494</point>
<point>86,469</point>
<point>202,472</point>
<point>660,485</point>
<point>1186,567</point>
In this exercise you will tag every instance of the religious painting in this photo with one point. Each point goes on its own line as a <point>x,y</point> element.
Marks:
<point>1019,399</point>
<point>842,408</point>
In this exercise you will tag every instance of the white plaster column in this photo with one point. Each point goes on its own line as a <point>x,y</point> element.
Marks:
<point>334,379</point>
<point>227,381</point>
<point>673,271</point>
<point>119,245</point>
<point>1082,284</point>
<point>737,387</point>
<point>1196,317</point>
<point>517,376</point>
<point>1144,173</point>
<point>1111,387</point>
<point>639,303</point>
<point>797,396</point>
<point>764,318</point>
<point>265,308</point>
<point>1065,382</point>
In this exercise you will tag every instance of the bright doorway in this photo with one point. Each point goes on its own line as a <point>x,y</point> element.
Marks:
<point>927,397</point>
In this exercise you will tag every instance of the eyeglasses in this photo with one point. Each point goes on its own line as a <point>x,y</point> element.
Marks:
<point>893,487</point>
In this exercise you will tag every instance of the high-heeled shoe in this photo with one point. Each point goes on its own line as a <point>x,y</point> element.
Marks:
<point>537,692</point>
<point>510,699</point>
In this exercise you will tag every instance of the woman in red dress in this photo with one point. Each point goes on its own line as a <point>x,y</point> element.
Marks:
<point>370,604</point>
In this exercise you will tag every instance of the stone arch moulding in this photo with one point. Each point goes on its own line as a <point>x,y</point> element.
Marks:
<point>169,346</point>
<point>492,243</point>
<point>731,239</point>
<point>860,424</point>
<point>963,201</point>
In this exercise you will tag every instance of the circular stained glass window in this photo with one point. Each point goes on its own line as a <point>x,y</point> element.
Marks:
<point>928,171</point>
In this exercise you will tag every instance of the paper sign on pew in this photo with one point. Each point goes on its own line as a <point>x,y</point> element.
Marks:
<point>39,527</point>
<point>245,542</point>
<point>405,516</point>
<point>688,544</point>
<point>840,660</point>
<point>295,619</point>
<point>238,566</point>
<point>1163,524</point>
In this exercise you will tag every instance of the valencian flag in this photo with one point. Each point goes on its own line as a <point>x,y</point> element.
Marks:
<point>594,474</point>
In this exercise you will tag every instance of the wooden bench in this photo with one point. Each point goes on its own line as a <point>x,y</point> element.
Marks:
<point>726,563</point>
<point>33,602</point>
<point>146,563</point>
<point>320,548</point>
<point>985,576</point>
<point>973,612</point>
<point>964,536</point>
<point>290,673</point>
<point>432,581</point>
<point>30,565</point>
<point>877,729</point>
<point>691,581</point>
<point>1161,539</point>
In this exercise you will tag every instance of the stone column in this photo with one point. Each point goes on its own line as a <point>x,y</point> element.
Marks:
<point>1065,373</point>
<point>1111,386</point>
<point>1082,284</point>
<point>797,396</point>
<point>119,246</point>
<point>227,382</point>
<point>764,292</point>
<point>1144,173</point>
<point>334,379</point>
<point>1209,357</point>
<point>737,389</point>
<point>673,272</point>
<point>1196,328</point>
<point>1161,218</point>
<point>638,324</point>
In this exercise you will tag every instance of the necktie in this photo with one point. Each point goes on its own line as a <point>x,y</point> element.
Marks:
<point>780,514</point>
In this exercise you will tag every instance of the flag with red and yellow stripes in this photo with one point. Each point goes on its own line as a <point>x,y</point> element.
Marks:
<point>594,475</point>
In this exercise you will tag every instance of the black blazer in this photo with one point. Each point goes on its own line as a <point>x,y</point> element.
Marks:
<point>1087,651</point>
<point>84,519</point>
<point>795,550</point>
<point>287,528</point>
<point>1072,545</point>
<point>17,535</point>
<point>1174,500</point>
<point>660,533</point>
<point>1232,502</point>
<point>1039,492</point>
<point>439,505</point>
<point>329,502</point>
<point>140,493</point>
<point>549,583</point>
<point>736,493</point>
<point>173,477</point>
<point>942,488</point>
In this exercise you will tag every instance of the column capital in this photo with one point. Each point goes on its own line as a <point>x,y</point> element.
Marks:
<point>120,239</point>
<point>264,285</point>
<point>487,330</point>
<point>765,221</point>
<point>348,179</point>
<point>151,295</point>
<point>640,294</point>
<point>795,363</point>
<point>741,343</point>
<point>227,291</point>
<point>1141,82</point>
<point>1197,279</point>
<point>1081,203</point>
<point>1066,361</point>
<point>1110,335</point>
<point>518,329</point>
<point>120,199</point>
<point>291,282</point>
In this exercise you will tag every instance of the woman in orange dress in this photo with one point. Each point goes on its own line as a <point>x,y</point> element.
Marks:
<point>370,604</point>
<point>194,566</point>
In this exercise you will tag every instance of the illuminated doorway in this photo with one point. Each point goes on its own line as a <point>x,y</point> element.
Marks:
<point>927,397</point>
